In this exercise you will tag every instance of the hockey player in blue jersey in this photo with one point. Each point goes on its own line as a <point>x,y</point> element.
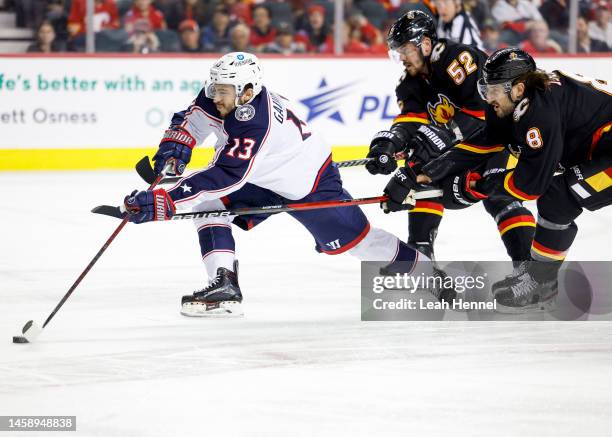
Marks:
<point>264,155</point>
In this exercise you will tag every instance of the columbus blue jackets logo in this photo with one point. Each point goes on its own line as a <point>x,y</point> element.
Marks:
<point>326,101</point>
<point>442,111</point>
<point>245,112</point>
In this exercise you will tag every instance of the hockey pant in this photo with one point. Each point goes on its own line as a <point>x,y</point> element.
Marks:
<point>515,223</point>
<point>335,230</point>
<point>586,185</point>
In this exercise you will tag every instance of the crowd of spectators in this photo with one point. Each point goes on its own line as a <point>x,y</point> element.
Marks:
<point>305,26</point>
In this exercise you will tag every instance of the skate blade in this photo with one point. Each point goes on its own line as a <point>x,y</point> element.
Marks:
<point>213,310</point>
<point>540,307</point>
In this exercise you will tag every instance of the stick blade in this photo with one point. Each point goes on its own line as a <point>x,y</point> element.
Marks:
<point>30,332</point>
<point>145,171</point>
<point>112,211</point>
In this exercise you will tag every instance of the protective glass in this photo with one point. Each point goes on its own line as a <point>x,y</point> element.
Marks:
<point>493,91</point>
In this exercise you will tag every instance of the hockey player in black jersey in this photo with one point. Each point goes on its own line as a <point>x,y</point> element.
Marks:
<point>440,106</point>
<point>561,128</point>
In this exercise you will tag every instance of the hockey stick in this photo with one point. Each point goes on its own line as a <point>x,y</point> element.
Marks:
<point>31,330</point>
<point>149,175</point>
<point>115,211</point>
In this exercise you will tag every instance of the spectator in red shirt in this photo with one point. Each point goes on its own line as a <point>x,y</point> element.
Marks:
<point>352,40</point>
<point>539,41</point>
<point>262,32</point>
<point>143,9</point>
<point>316,35</point>
<point>106,16</point>
<point>369,33</point>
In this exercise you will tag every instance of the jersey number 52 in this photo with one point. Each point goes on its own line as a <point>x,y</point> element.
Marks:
<point>459,73</point>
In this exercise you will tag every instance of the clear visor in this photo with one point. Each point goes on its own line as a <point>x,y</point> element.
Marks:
<point>213,89</point>
<point>493,91</point>
<point>396,54</point>
<point>209,89</point>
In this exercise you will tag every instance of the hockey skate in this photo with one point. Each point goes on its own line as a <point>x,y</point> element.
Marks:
<point>221,298</point>
<point>441,292</point>
<point>533,288</point>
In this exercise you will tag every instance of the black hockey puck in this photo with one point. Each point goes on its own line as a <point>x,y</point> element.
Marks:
<point>20,339</point>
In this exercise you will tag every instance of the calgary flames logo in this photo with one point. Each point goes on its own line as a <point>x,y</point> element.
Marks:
<point>442,111</point>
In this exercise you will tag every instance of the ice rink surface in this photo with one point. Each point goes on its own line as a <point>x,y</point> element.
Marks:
<point>122,359</point>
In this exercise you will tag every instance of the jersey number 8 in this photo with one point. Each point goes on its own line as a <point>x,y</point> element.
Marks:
<point>534,138</point>
<point>459,73</point>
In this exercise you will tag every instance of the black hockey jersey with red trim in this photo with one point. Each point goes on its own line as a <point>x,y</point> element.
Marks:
<point>448,96</point>
<point>561,125</point>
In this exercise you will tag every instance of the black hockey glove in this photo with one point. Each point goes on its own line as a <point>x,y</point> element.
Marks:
<point>429,142</point>
<point>383,148</point>
<point>459,192</point>
<point>400,187</point>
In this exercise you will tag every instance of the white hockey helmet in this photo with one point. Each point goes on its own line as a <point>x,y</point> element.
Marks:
<point>238,69</point>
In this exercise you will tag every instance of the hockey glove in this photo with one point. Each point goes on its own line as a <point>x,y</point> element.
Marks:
<point>458,190</point>
<point>175,147</point>
<point>146,206</point>
<point>429,142</point>
<point>399,189</point>
<point>383,148</point>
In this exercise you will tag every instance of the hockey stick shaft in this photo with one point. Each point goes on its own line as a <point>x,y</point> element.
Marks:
<point>340,164</point>
<point>95,258</point>
<point>293,207</point>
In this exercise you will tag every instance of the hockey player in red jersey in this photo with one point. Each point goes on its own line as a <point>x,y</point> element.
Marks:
<point>440,107</point>
<point>559,126</point>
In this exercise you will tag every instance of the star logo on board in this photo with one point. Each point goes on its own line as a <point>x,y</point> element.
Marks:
<point>325,101</point>
<point>186,188</point>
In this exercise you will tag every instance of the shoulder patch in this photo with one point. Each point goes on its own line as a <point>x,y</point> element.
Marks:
<point>437,52</point>
<point>245,112</point>
<point>520,109</point>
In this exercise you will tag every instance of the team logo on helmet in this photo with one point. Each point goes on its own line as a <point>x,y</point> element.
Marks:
<point>442,111</point>
<point>245,112</point>
<point>512,56</point>
<point>410,15</point>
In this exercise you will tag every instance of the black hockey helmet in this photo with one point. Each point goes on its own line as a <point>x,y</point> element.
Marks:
<point>411,27</point>
<point>503,68</point>
<point>507,65</point>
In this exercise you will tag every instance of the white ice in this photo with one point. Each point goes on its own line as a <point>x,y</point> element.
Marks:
<point>122,359</point>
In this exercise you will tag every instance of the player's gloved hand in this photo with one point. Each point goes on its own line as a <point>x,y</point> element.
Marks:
<point>429,142</point>
<point>399,189</point>
<point>463,189</point>
<point>175,147</point>
<point>151,205</point>
<point>383,161</point>
<point>383,148</point>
